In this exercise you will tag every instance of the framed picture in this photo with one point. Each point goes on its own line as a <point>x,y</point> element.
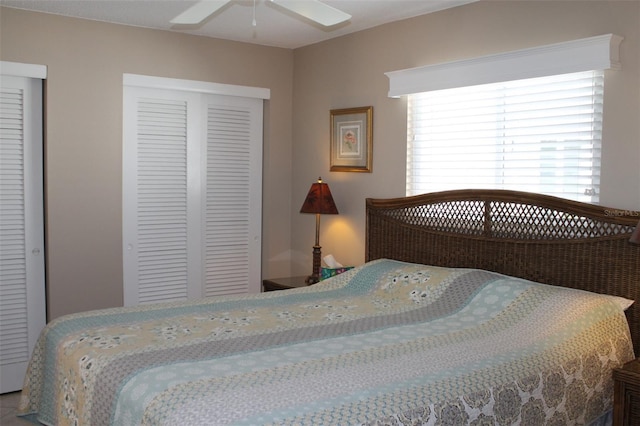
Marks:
<point>351,139</point>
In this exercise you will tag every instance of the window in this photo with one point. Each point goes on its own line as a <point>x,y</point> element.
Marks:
<point>539,135</point>
<point>529,119</point>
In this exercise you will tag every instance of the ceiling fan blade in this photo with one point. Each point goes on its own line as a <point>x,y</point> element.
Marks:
<point>315,10</point>
<point>199,12</point>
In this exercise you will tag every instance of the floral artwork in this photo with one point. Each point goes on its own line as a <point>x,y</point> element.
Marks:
<point>351,139</point>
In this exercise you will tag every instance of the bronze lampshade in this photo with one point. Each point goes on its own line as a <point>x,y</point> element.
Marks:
<point>318,201</point>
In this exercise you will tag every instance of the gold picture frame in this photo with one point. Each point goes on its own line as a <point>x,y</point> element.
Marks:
<point>351,142</point>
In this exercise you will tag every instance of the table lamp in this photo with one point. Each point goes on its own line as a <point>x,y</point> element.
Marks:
<point>318,201</point>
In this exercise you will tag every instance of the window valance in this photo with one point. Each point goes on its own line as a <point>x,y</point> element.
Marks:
<point>593,53</point>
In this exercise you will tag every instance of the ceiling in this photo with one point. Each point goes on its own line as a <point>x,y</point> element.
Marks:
<point>275,26</point>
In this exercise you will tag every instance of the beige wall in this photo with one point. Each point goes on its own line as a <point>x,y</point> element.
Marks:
<point>349,72</point>
<point>85,62</point>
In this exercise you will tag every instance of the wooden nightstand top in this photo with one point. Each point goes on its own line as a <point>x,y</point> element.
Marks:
<point>284,283</point>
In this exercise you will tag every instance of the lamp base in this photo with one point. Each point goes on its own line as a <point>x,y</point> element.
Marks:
<point>317,264</point>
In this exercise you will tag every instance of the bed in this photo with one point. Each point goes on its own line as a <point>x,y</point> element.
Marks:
<point>473,307</point>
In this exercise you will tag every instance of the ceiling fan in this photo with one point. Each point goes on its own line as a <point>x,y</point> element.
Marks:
<point>312,9</point>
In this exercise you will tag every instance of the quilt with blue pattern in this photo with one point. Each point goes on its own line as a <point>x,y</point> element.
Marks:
<point>384,343</point>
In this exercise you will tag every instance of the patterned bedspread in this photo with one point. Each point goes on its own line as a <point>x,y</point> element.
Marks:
<point>384,343</point>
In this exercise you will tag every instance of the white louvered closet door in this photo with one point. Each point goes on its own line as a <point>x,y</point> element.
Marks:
<point>191,195</point>
<point>156,252</point>
<point>22,292</point>
<point>233,202</point>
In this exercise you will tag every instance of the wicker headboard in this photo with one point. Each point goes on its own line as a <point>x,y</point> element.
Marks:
<point>537,237</point>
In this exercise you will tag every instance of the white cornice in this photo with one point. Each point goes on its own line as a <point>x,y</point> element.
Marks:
<point>600,52</point>
<point>17,69</point>
<point>195,86</point>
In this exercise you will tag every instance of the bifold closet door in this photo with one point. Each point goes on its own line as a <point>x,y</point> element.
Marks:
<point>192,170</point>
<point>22,277</point>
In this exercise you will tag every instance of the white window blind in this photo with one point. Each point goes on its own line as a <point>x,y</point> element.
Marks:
<point>540,135</point>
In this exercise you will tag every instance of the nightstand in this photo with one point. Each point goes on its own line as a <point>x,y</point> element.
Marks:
<point>286,283</point>
<point>626,394</point>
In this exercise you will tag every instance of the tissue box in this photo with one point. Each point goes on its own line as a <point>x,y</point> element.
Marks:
<point>330,272</point>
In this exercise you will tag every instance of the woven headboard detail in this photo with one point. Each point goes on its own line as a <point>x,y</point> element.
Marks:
<point>500,219</point>
<point>531,236</point>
